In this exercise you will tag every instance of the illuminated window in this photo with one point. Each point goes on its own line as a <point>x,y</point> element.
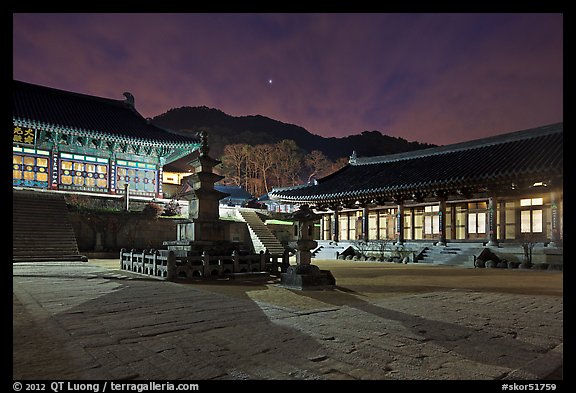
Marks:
<point>531,215</point>
<point>476,222</point>
<point>30,170</point>
<point>431,220</point>
<point>477,217</point>
<point>532,202</point>
<point>75,173</point>
<point>418,223</point>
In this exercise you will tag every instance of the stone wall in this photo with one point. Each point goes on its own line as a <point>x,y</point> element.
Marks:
<point>133,230</point>
<point>238,232</point>
<point>113,231</point>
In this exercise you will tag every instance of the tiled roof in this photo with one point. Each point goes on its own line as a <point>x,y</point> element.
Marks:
<point>234,192</point>
<point>519,156</point>
<point>46,107</point>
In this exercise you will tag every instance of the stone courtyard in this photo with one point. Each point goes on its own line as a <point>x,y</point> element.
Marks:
<point>74,320</point>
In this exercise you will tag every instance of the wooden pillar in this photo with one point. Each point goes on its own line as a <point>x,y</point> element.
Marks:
<point>159,174</point>
<point>55,169</point>
<point>442,220</point>
<point>412,221</point>
<point>377,224</point>
<point>112,173</point>
<point>453,221</point>
<point>400,222</point>
<point>365,225</point>
<point>555,220</point>
<point>335,225</point>
<point>491,223</point>
<point>502,214</point>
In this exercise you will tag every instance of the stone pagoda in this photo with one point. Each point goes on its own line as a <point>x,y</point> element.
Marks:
<point>203,227</point>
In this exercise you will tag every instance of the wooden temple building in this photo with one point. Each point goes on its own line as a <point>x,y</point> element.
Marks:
<point>73,142</point>
<point>490,192</point>
<point>66,143</point>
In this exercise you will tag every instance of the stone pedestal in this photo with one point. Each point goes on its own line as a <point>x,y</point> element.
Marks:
<point>202,230</point>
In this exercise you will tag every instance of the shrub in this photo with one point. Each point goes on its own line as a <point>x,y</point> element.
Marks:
<point>152,210</point>
<point>173,208</point>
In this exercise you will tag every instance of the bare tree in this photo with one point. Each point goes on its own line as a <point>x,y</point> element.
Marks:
<point>318,165</point>
<point>338,164</point>
<point>263,158</point>
<point>288,163</point>
<point>260,167</point>
<point>234,162</point>
<point>528,241</point>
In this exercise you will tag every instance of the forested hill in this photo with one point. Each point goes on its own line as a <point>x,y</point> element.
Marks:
<point>224,129</point>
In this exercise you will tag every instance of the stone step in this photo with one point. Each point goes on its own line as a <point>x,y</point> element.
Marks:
<point>262,237</point>
<point>41,229</point>
<point>454,256</point>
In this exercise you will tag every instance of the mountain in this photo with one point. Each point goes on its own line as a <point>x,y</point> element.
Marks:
<point>224,129</point>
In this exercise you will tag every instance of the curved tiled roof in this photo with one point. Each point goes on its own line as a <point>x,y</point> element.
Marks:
<point>528,154</point>
<point>48,108</point>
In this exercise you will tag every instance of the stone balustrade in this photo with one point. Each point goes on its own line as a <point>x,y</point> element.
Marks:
<point>180,264</point>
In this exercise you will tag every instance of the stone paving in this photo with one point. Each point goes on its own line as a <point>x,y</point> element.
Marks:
<point>80,321</point>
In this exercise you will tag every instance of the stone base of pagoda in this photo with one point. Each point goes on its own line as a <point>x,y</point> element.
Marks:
<point>202,230</point>
<point>304,277</point>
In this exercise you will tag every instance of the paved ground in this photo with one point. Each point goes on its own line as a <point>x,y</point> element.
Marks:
<point>384,321</point>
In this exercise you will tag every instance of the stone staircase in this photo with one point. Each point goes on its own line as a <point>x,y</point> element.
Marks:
<point>262,238</point>
<point>461,254</point>
<point>328,249</point>
<point>41,230</point>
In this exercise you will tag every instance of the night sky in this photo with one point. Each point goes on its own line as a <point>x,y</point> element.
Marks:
<point>436,78</point>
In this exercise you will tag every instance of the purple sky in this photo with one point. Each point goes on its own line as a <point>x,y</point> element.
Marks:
<point>437,78</point>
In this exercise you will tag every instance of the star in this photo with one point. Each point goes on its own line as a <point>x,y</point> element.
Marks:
<point>269,81</point>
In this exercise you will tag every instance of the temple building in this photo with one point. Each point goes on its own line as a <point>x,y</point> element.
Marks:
<point>490,192</point>
<point>74,142</point>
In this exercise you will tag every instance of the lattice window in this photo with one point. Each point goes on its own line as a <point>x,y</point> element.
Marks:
<point>141,177</point>
<point>30,170</point>
<point>431,220</point>
<point>83,172</point>
<point>531,215</point>
<point>477,217</point>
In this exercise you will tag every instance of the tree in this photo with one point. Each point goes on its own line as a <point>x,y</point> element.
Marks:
<point>288,163</point>
<point>318,165</point>
<point>234,162</point>
<point>258,168</point>
<point>264,159</point>
<point>528,241</point>
<point>339,164</point>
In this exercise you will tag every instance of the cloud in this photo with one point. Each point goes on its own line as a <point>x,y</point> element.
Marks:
<point>427,77</point>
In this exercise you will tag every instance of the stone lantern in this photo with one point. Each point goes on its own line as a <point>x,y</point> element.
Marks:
<point>304,275</point>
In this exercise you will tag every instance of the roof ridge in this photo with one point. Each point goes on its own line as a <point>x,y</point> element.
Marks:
<point>45,106</point>
<point>473,144</point>
<point>75,94</point>
<point>296,187</point>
